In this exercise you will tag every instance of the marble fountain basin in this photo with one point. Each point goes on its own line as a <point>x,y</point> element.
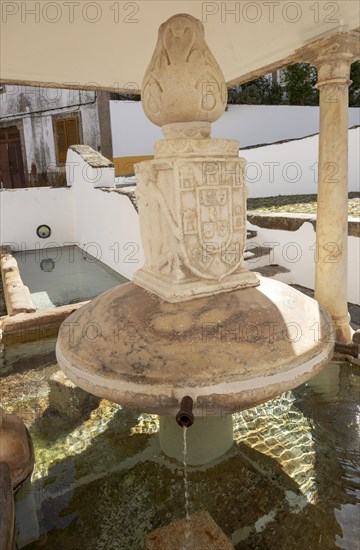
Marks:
<point>229,352</point>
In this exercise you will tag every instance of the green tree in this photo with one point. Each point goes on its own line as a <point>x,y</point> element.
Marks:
<point>261,91</point>
<point>116,96</point>
<point>299,81</point>
<point>354,91</point>
<point>298,88</point>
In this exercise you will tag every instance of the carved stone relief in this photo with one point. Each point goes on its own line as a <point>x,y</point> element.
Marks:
<point>192,196</point>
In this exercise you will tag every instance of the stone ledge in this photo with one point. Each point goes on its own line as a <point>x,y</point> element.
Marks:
<point>16,294</point>
<point>292,222</point>
<point>271,270</point>
<point>28,327</point>
<point>282,141</point>
<point>91,157</point>
<point>35,188</point>
<point>128,191</point>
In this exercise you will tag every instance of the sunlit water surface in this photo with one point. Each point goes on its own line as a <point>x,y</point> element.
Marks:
<point>292,481</point>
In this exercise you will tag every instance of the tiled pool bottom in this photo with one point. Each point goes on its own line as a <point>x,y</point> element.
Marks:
<point>64,275</point>
<point>290,482</point>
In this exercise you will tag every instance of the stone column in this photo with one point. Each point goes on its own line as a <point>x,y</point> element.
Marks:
<point>333,57</point>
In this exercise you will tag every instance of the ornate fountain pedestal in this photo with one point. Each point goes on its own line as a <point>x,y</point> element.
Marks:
<point>196,322</point>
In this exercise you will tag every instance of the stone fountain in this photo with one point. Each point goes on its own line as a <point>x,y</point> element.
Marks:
<point>194,321</point>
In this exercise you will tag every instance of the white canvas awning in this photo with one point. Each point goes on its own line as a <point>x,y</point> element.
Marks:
<point>108,44</point>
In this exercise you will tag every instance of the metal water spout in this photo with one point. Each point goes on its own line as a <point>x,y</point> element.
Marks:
<point>185,416</point>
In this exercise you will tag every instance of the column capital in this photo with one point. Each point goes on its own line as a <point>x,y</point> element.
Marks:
<point>332,56</point>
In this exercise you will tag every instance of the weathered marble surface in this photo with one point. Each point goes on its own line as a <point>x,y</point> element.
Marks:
<point>183,82</point>
<point>244,339</point>
<point>228,352</point>
<point>192,196</point>
<point>192,219</point>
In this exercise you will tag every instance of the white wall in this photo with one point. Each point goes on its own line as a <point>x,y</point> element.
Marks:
<point>296,251</point>
<point>292,168</point>
<point>282,169</point>
<point>259,124</point>
<point>134,134</point>
<point>106,223</point>
<point>23,210</point>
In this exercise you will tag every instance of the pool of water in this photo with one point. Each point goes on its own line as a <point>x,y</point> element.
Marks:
<point>290,482</point>
<point>64,275</point>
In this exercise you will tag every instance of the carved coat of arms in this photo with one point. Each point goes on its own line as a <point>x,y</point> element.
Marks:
<point>212,210</point>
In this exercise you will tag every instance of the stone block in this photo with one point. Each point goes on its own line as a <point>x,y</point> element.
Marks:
<point>205,534</point>
<point>68,399</point>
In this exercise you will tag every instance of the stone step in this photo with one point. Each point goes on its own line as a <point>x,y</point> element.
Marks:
<point>275,271</point>
<point>257,255</point>
<point>251,234</point>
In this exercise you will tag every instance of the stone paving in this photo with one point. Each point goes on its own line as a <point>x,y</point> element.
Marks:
<point>304,204</point>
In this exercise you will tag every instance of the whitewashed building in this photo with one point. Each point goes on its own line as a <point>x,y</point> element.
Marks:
<point>38,124</point>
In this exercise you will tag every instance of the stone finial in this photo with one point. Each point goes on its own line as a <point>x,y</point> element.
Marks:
<point>183,82</point>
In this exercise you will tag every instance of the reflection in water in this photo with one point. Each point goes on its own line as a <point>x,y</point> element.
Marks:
<point>313,433</point>
<point>47,265</point>
<point>64,275</point>
<point>280,430</point>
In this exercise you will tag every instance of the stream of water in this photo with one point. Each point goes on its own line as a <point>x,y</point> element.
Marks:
<point>186,492</point>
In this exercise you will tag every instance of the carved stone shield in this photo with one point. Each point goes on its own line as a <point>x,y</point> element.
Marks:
<point>212,211</point>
